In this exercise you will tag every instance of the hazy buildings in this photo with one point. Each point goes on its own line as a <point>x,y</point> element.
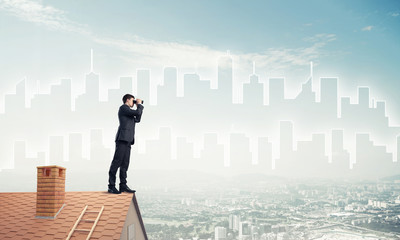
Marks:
<point>203,129</point>
<point>220,233</point>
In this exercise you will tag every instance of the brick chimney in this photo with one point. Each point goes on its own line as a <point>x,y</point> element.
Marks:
<point>50,196</point>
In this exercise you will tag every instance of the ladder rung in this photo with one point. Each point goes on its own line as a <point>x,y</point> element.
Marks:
<point>88,220</point>
<point>95,223</point>
<point>76,223</point>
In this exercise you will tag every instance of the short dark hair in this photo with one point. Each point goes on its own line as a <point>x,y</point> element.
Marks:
<point>126,97</point>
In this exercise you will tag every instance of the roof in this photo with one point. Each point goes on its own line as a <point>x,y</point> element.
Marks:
<point>18,221</point>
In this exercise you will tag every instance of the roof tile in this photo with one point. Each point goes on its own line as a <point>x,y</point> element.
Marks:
<point>18,212</point>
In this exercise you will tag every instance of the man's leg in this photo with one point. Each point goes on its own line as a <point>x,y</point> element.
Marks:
<point>123,173</point>
<point>120,151</point>
<point>124,166</point>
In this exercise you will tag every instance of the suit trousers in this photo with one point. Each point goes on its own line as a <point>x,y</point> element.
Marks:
<point>121,161</point>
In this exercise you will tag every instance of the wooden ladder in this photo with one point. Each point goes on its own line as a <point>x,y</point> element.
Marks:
<point>85,220</point>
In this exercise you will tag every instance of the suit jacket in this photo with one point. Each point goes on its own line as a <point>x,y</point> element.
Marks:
<point>127,120</point>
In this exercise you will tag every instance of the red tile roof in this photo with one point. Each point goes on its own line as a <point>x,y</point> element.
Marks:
<point>18,221</point>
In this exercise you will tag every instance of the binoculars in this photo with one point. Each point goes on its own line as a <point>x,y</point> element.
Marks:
<point>134,101</point>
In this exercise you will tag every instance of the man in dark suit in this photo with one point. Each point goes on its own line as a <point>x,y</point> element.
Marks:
<point>124,138</point>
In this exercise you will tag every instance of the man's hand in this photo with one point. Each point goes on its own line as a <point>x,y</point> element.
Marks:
<point>138,101</point>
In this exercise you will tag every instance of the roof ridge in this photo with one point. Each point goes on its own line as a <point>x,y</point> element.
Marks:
<point>135,203</point>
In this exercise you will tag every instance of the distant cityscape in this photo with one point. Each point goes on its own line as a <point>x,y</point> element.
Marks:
<point>207,168</point>
<point>262,208</point>
<point>203,129</point>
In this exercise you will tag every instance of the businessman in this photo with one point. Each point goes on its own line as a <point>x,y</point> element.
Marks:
<point>124,138</point>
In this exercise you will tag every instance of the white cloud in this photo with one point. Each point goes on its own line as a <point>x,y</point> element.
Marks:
<point>158,53</point>
<point>149,53</point>
<point>50,17</point>
<point>395,14</point>
<point>321,37</point>
<point>143,51</point>
<point>367,28</point>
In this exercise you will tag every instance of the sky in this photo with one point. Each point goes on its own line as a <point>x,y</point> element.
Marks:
<point>356,41</point>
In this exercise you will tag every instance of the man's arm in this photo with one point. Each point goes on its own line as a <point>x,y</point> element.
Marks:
<point>137,118</point>
<point>131,112</point>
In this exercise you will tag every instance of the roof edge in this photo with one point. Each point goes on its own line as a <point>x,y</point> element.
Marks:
<point>135,203</point>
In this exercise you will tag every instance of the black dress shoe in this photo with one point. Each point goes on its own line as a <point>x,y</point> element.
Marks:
<point>113,190</point>
<point>126,189</point>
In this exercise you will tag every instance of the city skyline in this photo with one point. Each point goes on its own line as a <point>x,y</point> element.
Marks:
<point>292,78</point>
<point>45,41</point>
<point>185,151</point>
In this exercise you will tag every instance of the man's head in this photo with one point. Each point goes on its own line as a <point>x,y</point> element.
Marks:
<point>128,99</point>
